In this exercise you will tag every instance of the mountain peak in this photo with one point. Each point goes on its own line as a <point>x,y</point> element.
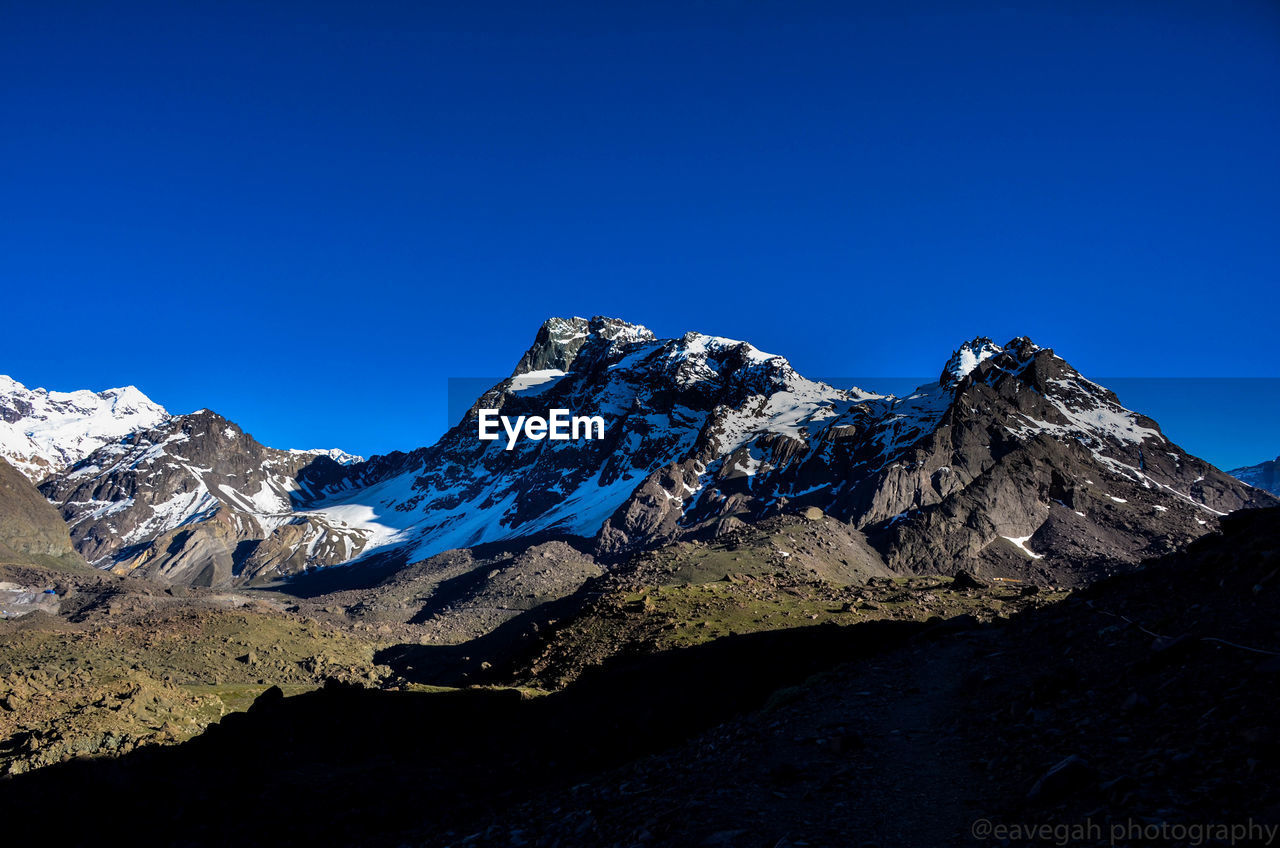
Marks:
<point>559,339</point>
<point>967,357</point>
<point>336,454</point>
<point>1022,347</point>
<point>42,432</point>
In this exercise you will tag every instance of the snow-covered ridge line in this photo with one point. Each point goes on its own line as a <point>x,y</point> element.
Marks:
<point>967,357</point>
<point>1264,475</point>
<point>44,432</point>
<point>338,455</point>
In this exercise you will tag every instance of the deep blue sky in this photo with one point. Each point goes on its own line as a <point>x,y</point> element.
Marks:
<point>307,216</point>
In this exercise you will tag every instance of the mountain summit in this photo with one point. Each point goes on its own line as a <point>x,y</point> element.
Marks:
<point>559,340</point>
<point>44,432</point>
<point>968,357</point>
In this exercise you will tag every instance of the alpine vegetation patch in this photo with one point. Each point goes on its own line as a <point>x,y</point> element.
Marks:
<point>561,426</point>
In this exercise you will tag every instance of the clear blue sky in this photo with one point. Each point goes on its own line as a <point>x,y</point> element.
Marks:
<point>308,215</point>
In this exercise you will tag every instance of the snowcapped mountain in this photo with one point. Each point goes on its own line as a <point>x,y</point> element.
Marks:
<point>43,432</point>
<point>196,500</point>
<point>1011,460</point>
<point>336,454</point>
<point>1264,475</point>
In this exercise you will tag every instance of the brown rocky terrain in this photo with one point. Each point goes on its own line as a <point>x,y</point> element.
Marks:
<point>1147,699</point>
<point>121,663</point>
<point>1127,715</point>
<point>117,662</point>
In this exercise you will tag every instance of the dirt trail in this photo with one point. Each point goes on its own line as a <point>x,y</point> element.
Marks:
<point>911,756</point>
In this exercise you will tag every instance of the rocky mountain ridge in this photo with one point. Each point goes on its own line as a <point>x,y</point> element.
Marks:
<point>197,501</point>
<point>1012,458</point>
<point>44,433</point>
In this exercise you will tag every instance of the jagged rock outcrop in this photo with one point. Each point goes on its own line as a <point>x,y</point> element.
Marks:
<point>559,339</point>
<point>1012,460</point>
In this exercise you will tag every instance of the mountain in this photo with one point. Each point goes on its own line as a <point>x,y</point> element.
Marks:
<point>1264,475</point>
<point>195,500</point>
<point>336,454</point>
<point>31,531</point>
<point>1011,458</point>
<point>43,432</point>
<point>1011,462</point>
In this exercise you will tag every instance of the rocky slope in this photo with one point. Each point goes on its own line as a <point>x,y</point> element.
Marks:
<point>1264,475</point>
<point>43,432</point>
<point>1128,715</point>
<point>31,530</point>
<point>124,663</point>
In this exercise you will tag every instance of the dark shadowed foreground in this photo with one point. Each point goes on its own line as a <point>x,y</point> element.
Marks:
<point>1147,699</point>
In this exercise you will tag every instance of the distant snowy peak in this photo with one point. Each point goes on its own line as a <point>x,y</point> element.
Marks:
<point>1264,475</point>
<point>43,432</point>
<point>970,355</point>
<point>336,454</point>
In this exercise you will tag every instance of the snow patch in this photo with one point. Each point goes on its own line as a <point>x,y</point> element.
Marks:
<point>1021,542</point>
<point>532,383</point>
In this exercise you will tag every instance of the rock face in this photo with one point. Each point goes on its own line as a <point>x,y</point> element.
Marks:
<point>197,501</point>
<point>1264,475</point>
<point>43,432</point>
<point>559,339</point>
<point>460,595</point>
<point>31,531</point>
